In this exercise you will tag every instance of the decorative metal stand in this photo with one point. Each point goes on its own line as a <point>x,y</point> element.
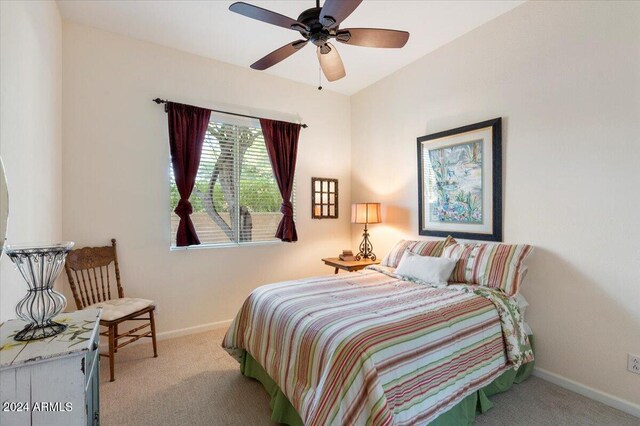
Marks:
<point>40,266</point>
<point>366,248</point>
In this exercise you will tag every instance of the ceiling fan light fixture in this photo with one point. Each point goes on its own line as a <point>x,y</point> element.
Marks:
<point>331,63</point>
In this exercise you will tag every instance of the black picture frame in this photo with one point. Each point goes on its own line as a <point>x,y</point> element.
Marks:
<point>496,182</point>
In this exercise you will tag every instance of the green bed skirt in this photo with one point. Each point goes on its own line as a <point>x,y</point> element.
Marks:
<point>461,414</point>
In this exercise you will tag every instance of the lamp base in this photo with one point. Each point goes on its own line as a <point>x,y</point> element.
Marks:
<point>36,332</point>
<point>366,248</point>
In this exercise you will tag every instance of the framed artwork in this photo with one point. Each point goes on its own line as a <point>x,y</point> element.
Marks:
<point>324,198</point>
<point>460,182</point>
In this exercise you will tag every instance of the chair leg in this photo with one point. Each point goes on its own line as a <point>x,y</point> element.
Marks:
<point>111,352</point>
<point>153,334</point>
<point>115,349</point>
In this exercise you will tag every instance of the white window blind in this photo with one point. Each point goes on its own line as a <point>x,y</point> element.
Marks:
<point>236,199</point>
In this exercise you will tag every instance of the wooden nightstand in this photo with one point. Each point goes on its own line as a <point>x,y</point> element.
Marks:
<point>348,265</point>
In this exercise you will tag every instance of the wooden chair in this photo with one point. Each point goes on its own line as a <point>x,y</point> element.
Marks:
<point>88,272</point>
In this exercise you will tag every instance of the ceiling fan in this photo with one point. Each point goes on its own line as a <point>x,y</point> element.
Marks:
<point>318,25</point>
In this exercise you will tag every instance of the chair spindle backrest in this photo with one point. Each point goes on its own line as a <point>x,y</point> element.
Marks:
<point>88,272</point>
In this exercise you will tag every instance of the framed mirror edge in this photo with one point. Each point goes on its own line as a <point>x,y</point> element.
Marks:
<point>4,206</point>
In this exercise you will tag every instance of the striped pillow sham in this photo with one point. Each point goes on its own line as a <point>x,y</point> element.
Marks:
<point>497,266</point>
<point>423,248</point>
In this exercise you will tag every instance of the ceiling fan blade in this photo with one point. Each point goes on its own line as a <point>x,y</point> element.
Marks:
<point>331,63</point>
<point>267,16</point>
<point>373,37</point>
<point>335,11</point>
<point>278,55</point>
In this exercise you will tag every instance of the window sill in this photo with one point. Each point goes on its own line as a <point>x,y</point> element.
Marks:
<point>227,245</point>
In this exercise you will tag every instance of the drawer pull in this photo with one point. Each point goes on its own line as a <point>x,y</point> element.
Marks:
<point>95,346</point>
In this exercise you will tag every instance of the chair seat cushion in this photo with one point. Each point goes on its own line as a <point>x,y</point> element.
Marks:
<point>117,308</point>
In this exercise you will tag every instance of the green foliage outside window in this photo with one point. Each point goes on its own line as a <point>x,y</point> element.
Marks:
<point>253,183</point>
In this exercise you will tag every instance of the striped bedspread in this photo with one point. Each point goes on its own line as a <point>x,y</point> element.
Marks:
<point>368,348</point>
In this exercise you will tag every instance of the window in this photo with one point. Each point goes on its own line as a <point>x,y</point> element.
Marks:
<point>236,198</point>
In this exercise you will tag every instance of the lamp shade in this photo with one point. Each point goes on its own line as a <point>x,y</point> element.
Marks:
<point>365,213</point>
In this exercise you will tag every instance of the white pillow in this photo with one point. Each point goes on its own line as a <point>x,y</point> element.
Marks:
<point>432,270</point>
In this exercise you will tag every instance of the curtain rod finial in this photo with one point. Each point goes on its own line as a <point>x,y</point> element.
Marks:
<point>162,101</point>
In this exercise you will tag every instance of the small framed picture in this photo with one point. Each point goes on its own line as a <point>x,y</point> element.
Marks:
<point>460,182</point>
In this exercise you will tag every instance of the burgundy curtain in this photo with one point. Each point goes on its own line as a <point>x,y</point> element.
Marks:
<point>281,139</point>
<point>187,128</point>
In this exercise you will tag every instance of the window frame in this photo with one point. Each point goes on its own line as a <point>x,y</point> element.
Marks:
<point>237,169</point>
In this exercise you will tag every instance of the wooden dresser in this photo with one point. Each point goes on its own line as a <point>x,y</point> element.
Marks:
<point>53,381</point>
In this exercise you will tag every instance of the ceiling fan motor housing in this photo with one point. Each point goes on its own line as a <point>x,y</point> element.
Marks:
<point>318,34</point>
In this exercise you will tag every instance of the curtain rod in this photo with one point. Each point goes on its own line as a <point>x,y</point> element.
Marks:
<point>164,101</point>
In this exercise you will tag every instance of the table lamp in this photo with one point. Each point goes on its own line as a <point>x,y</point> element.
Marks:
<point>366,213</point>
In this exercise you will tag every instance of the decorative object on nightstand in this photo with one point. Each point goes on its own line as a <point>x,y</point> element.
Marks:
<point>62,372</point>
<point>324,198</point>
<point>348,265</point>
<point>347,255</point>
<point>89,267</point>
<point>366,213</point>
<point>39,266</point>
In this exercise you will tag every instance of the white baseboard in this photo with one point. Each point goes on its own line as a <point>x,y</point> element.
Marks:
<point>193,330</point>
<point>176,333</point>
<point>589,392</point>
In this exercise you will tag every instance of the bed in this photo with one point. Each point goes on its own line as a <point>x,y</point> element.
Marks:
<point>373,348</point>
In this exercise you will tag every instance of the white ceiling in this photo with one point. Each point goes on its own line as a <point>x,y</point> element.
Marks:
<point>208,28</point>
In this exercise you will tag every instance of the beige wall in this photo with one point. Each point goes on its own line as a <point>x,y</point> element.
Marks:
<point>30,131</point>
<point>565,77</point>
<point>116,159</point>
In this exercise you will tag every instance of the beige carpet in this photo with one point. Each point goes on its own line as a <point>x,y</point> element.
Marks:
<point>194,382</point>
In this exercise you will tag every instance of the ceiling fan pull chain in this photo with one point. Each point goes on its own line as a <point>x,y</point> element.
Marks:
<point>319,78</point>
